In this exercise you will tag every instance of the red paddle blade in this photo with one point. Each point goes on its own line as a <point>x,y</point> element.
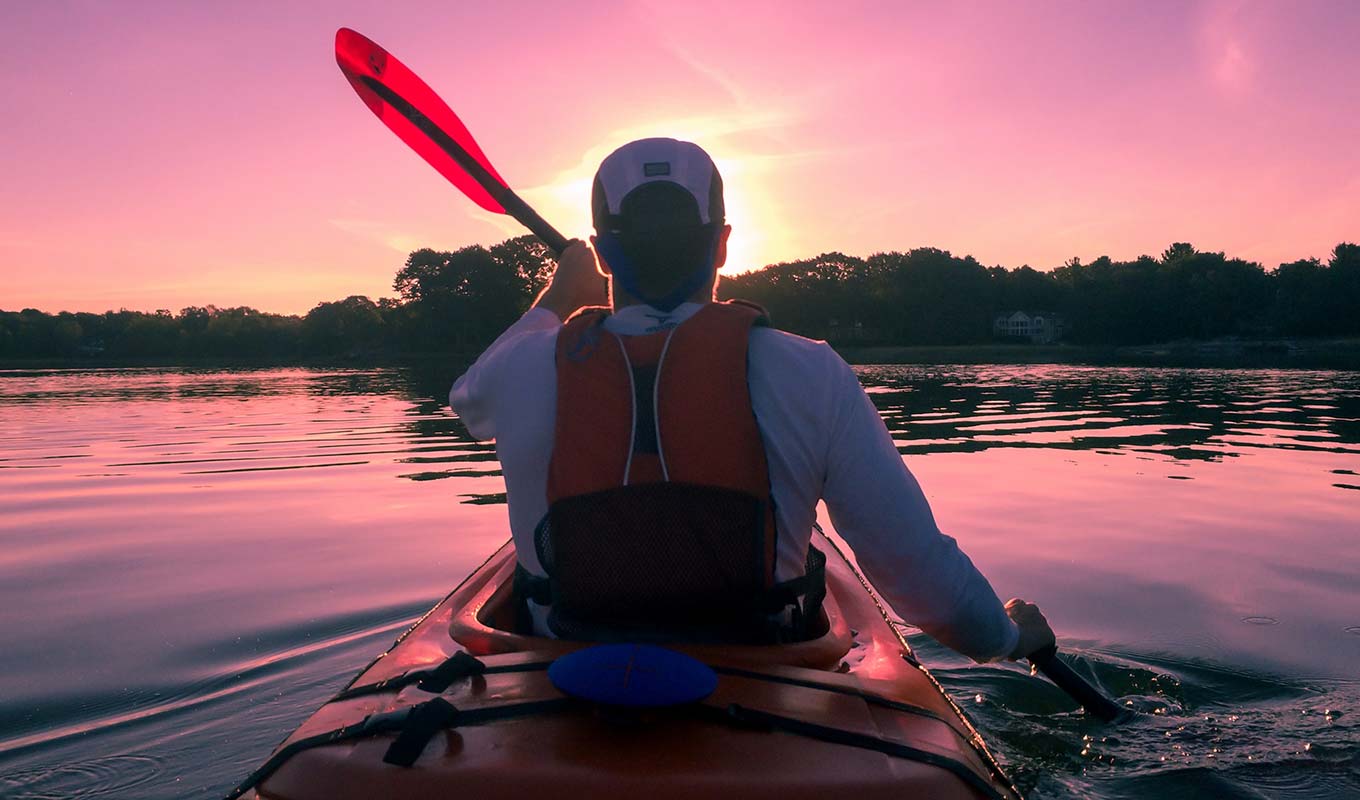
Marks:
<point>394,92</point>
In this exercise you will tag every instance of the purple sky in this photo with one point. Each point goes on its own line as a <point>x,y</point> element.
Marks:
<point>163,154</point>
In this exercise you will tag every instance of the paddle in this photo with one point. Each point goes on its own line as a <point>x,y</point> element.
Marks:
<point>1090,698</point>
<point>417,115</point>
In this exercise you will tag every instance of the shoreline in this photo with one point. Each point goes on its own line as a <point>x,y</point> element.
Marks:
<point>1305,354</point>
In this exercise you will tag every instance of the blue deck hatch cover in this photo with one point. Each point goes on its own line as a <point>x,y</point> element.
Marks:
<point>633,676</point>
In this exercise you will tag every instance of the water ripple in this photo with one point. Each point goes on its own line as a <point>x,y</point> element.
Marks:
<point>105,777</point>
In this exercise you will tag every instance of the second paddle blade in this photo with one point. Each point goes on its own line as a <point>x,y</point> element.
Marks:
<point>365,63</point>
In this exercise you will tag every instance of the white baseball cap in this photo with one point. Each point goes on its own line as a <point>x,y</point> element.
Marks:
<point>616,201</point>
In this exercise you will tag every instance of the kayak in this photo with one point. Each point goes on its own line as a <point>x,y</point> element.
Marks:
<point>463,705</point>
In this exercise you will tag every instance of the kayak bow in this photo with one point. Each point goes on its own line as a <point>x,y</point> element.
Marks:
<point>463,703</point>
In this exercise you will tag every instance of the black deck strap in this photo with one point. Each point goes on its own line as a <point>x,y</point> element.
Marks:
<point>461,664</point>
<point>868,697</point>
<point>750,717</point>
<point>370,725</point>
<point>419,676</point>
<point>480,716</point>
<point>390,721</point>
<point>422,723</point>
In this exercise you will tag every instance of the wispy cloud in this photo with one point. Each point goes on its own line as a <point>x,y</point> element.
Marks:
<point>384,233</point>
<point>1228,51</point>
<point>728,84</point>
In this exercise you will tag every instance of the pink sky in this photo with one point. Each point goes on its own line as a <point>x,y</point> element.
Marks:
<point>164,154</point>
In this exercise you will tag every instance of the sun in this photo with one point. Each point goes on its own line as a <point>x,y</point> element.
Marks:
<point>745,247</point>
<point>758,237</point>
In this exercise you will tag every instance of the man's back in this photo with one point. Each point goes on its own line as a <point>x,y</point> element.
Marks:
<point>792,393</point>
<point>823,440</point>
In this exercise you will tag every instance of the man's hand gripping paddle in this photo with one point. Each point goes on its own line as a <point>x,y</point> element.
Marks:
<point>411,110</point>
<point>1092,699</point>
<point>1041,649</point>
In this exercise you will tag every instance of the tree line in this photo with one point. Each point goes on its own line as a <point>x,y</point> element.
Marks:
<point>445,301</point>
<point>461,300</point>
<point>929,296</point>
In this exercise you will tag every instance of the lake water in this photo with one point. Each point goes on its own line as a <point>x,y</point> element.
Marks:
<point>191,561</point>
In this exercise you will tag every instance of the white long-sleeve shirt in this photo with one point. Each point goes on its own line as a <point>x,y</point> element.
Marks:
<point>823,438</point>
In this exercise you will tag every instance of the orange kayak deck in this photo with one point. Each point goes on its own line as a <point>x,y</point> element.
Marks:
<point>849,712</point>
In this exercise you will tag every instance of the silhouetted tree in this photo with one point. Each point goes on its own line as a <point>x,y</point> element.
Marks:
<point>1344,280</point>
<point>530,260</point>
<point>931,297</point>
<point>458,299</point>
<point>1301,298</point>
<point>786,290</point>
<point>345,326</point>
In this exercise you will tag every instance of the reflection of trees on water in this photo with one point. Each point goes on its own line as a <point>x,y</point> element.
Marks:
<point>429,419</point>
<point>1180,414</point>
<point>197,383</point>
<point>1183,414</point>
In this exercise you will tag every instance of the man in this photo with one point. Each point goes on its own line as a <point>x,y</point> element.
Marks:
<point>638,433</point>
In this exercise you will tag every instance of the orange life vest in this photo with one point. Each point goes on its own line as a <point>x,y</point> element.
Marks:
<point>660,522</point>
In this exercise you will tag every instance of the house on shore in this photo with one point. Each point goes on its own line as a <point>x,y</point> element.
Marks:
<point>839,332</point>
<point>1036,327</point>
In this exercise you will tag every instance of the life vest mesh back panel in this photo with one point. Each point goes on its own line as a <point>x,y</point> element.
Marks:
<point>656,561</point>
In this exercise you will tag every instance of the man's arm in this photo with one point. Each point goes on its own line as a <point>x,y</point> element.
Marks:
<point>879,509</point>
<point>575,283</point>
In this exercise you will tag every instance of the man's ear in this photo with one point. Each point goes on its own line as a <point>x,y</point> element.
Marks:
<point>599,259</point>
<point>720,252</point>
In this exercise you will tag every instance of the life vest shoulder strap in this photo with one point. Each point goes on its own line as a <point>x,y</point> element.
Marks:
<point>763,317</point>
<point>705,420</point>
<point>579,336</point>
<point>593,414</point>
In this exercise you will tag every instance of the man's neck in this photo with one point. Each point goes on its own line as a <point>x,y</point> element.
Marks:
<point>620,299</point>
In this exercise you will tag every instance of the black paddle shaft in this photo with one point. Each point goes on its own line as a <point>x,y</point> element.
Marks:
<point>1090,698</point>
<point>501,193</point>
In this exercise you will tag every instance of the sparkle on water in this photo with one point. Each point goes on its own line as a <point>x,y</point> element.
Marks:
<point>194,560</point>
